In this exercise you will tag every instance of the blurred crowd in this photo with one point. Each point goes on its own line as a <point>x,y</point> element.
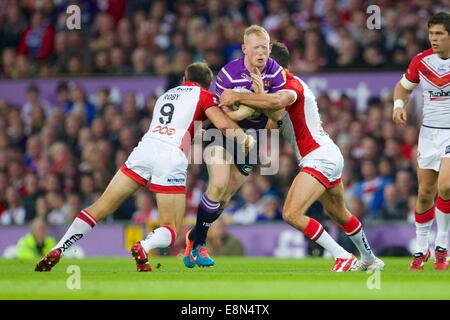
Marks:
<point>119,37</point>
<point>56,159</point>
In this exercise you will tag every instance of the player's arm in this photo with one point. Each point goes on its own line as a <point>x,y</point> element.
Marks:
<point>403,90</point>
<point>401,98</point>
<point>240,114</point>
<point>228,127</point>
<point>263,101</point>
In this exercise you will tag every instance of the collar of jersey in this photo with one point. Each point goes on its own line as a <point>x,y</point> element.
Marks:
<point>190,83</point>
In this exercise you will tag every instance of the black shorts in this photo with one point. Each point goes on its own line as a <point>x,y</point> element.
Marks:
<point>244,163</point>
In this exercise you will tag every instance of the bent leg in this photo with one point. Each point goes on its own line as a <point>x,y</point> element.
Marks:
<point>120,188</point>
<point>209,208</point>
<point>304,191</point>
<point>171,208</point>
<point>334,205</point>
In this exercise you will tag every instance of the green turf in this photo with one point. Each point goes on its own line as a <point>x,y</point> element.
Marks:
<point>231,278</point>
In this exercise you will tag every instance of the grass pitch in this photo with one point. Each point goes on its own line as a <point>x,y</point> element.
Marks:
<point>230,279</point>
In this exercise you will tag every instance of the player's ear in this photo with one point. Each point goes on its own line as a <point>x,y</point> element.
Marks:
<point>243,48</point>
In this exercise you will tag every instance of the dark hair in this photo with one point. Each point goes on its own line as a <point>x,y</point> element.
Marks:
<point>62,86</point>
<point>33,88</point>
<point>440,18</point>
<point>280,53</point>
<point>199,72</point>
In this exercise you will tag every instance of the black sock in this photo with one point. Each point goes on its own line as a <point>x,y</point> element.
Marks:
<point>208,211</point>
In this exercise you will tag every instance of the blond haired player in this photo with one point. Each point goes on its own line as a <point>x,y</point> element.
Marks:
<point>226,177</point>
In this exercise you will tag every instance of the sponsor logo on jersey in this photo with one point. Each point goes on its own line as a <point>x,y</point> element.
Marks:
<point>176,180</point>
<point>439,94</point>
<point>246,77</point>
<point>447,149</point>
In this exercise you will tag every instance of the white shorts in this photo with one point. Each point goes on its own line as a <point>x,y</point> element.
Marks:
<point>326,164</point>
<point>161,163</point>
<point>434,144</point>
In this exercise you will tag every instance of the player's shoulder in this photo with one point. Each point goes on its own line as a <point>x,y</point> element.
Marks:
<point>421,55</point>
<point>272,67</point>
<point>209,96</point>
<point>233,68</point>
<point>292,80</point>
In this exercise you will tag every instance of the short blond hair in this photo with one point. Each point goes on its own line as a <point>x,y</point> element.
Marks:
<point>255,29</point>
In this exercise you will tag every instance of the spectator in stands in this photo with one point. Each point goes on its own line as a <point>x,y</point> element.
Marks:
<point>270,209</point>
<point>15,213</point>
<point>248,213</point>
<point>145,208</point>
<point>31,196</point>
<point>221,242</point>
<point>38,37</point>
<point>58,207</point>
<point>371,189</point>
<point>80,106</point>
<point>34,99</point>
<point>36,243</point>
<point>394,207</point>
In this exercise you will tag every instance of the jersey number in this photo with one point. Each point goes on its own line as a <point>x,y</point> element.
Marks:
<point>166,111</point>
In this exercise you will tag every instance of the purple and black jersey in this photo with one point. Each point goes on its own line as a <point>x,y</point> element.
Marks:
<point>235,75</point>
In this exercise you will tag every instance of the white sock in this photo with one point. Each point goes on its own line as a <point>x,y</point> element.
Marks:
<point>82,224</point>
<point>422,235</point>
<point>316,232</point>
<point>162,237</point>
<point>360,241</point>
<point>354,230</point>
<point>443,225</point>
<point>328,243</point>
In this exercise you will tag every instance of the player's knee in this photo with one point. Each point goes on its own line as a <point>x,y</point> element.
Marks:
<point>425,196</point>
<point>290,215</point>
<point>217,191</point>
<point>444,189</point>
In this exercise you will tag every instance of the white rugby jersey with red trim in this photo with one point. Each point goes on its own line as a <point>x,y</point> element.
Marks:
<point>176,111</point>
<point>433,74</point>
<point>304,132</point>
